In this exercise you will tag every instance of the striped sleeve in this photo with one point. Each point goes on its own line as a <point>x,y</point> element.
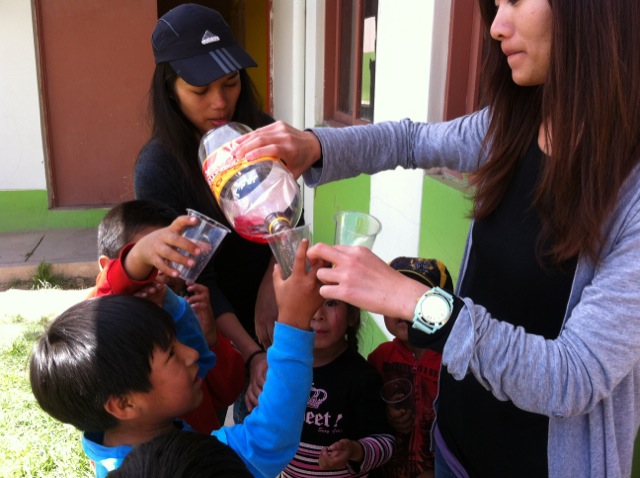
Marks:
<point>377,451</point>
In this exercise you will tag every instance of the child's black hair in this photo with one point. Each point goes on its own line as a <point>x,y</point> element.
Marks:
<point>94,350</point>
<point>181,454</point>
<point>122,223</point>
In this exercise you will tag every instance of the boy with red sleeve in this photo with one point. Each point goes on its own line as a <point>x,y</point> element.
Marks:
<point>399,359</point>
<point>135,239</point>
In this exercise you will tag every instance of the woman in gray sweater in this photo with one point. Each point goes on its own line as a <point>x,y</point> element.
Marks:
<point>541,342</point>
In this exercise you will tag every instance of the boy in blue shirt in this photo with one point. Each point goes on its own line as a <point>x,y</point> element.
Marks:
<point>112,367</point>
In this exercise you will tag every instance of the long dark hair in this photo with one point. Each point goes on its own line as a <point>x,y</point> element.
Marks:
<point>353,314</point>
<point>171,128</point>
<point>591,102</point>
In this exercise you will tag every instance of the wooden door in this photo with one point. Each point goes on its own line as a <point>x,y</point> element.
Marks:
<point>96,65</point>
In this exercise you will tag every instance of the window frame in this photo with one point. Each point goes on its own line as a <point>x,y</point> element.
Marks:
<point>464,58</point>
<point>335,19</point>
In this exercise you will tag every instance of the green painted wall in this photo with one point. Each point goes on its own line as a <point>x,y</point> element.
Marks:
<point>366,76</point>
<point>444,224</point>
<point>369,335</point>
<point>27,211</point>
<point>347,195</point>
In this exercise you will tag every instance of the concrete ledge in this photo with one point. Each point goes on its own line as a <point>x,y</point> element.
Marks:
<point>71,252</point>
<point>72,269</point>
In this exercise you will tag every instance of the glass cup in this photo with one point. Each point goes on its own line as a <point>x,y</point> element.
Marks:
<point>398,393</point>
<point>284,246</point>
<point>207,234</point>
<point>355,228</point>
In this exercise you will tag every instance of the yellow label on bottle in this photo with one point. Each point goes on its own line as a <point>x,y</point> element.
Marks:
<point>221,165</point>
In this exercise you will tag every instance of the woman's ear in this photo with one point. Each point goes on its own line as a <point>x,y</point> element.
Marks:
<point>122,407</point>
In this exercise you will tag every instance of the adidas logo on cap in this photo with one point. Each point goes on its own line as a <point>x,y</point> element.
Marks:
<point>209,37</point>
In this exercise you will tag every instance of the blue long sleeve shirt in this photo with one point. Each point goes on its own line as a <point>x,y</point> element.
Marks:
<point>270,435</point>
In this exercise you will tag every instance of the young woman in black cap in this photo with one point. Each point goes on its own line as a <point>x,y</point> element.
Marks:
<point>200,83</point>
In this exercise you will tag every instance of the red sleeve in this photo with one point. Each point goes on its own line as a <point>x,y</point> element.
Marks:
<point>226,379</point>
<point>220,388</point>
<point>114,280</point>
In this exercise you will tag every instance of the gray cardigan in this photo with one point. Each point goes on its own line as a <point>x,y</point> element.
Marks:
<point>587,381</point>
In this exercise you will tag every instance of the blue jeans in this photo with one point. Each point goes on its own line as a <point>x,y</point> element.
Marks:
<point>240,410</point>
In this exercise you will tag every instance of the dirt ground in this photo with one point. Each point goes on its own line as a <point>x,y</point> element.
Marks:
<point>32,305</point>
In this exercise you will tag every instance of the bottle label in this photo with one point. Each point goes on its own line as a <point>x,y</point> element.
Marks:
<point>221,165</point>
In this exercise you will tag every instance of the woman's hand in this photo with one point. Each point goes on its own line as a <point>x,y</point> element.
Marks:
<point>361,278</point>
<point>257,377</point>
<point>198,299</point>
<point>231,327</point>
<point>297,149</point>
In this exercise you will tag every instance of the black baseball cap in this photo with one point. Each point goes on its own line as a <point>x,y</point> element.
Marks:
<point>430,272</point>
<point>198,44</point>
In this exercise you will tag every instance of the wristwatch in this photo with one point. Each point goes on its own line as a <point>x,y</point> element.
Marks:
<point>433,310</point>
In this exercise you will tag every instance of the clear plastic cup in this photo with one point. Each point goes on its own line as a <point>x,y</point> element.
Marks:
<point>207,234</point>
<point>284,246</point>
<point>355,228</point>
<point>398,393</point>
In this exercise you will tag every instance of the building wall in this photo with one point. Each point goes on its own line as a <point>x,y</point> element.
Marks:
<point>23,183</point>
<point>21,148</point>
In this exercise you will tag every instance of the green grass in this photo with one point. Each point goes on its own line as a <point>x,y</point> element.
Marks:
<point>32,443</point>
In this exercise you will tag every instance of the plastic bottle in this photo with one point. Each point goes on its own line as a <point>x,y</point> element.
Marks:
<point>258,197</point>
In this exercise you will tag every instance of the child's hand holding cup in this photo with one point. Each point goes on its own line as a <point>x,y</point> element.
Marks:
<point>398,395</point>
<point>207,234</point>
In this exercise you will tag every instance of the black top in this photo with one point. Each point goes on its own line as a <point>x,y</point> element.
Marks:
<point>488,436</point>
<point>236,270</point>
<point>344,402</point>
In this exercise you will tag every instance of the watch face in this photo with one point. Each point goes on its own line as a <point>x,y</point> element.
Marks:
<point>435,309</point>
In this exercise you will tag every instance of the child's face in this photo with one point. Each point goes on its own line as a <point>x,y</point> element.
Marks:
<point>330,324</point>
<point>176,387</point>
<point>398,327</point>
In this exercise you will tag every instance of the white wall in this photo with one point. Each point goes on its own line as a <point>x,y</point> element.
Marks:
<point>291,25</point>
<point>288,36</point>
<point>21,148</point>
<point>410,78</point>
